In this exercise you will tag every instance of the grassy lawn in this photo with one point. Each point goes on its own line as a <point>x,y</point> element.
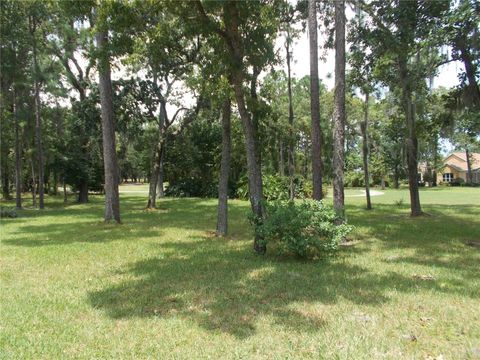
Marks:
<point>161,286</point>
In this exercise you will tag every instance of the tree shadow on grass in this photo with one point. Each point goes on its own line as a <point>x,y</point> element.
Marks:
<point>222,287</point>
<point>82,223</point>
<point>436,241</point>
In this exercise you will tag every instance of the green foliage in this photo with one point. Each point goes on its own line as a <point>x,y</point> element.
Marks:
<point>192,187</point>
<point>8,212</point>
<point>277,187</point>
<point>354,179</point>
<point>304,228</point>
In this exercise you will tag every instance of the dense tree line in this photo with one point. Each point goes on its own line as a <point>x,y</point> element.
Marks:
<point>199,106</point>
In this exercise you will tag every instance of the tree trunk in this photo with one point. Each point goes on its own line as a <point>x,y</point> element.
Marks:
<point>396,177</point>
<point>471,70</point>
<point>4,170</point>
<point>222,218</point>
<point>255,185</point>
<point>281,161</point>
<point>469,167</point>
<point>82,192</point>
<point>291,139</point>
<point>339,112</point>
<point>55,182</point>
<point>161,173</point>
<point>65,196</point>
<point>18,156</point>
<point>112,198</point>
<point>34,187</point>
<point>412,144</point>
<point>38,120</point>
<point>315,102</point>
<point>435,162</point>
<point>364,129</point>
<point>5,179</point>
<point>156,160</point>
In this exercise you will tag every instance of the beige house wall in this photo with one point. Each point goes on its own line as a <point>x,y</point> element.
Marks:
<point>456,174</point>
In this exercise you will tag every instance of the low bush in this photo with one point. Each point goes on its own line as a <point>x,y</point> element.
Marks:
<point>278,188</point>
<point>192,187</point>
<point>6,212</point>
<point>457,182</point>
<point>304,228</point>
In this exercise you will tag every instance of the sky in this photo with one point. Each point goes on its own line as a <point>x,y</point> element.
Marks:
<point>447,75</point>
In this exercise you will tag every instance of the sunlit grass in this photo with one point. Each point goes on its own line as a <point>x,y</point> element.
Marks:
<point>162,286</point>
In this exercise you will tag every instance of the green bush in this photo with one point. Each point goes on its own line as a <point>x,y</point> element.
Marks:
<point>278,188</point>
<point>304,228</point>
<point>6,212</point>
<point>354,179</point>
<point>457,182</point>
<point>192,187</point>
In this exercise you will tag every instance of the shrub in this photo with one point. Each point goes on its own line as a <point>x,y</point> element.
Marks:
<point>6,212</point>
<point>278,188</point>
<point>305,227</point>
<point>457,182</point>
<point>192,187</point>
<point>354,179</point>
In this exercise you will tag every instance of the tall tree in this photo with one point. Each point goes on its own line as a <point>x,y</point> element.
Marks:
<point>248,41</point>
<point>317,164</point>
<point>222,218</point>
<point>401,31</point>
<point>67,42</point>
<point>33,26</point>
<point>364,130</point>
<point>339,112</point>
<point>112,198</point>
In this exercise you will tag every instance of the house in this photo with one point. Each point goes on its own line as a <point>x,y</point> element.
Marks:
<point>455,167</point>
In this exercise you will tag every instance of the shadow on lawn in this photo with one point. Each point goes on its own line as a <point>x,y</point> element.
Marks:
<point>221,286</point>
<point>82,222</point>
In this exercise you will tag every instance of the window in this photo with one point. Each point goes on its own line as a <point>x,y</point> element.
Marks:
<point>447,177</point>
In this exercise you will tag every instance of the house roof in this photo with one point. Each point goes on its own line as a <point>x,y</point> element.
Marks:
<point>458,160</point>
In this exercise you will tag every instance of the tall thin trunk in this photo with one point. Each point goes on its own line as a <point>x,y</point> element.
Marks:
<point>161,173</point>
<point>156,160</point>
<point>396,177</point>
<point>469,167</point>
<point>255,185</point>
<point>65,196</point>
<point>412,142</point>
<point>233,37</point>
<point>317,165</point>
<point>222,217</point>
<point>291,140</point>
<point>281,161</point>
<point>435,161</point>
<point>34,187</point>
<point>38,120</point>
<point>364,129</point>
<point>55,182</point>
<point>339,112</point>
<point>82,191</point>
<point>4,170</point>
<point>18,156</point>
<point>112,198</point>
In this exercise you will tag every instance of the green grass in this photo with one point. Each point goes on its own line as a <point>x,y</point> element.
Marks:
<point>161,286</point>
